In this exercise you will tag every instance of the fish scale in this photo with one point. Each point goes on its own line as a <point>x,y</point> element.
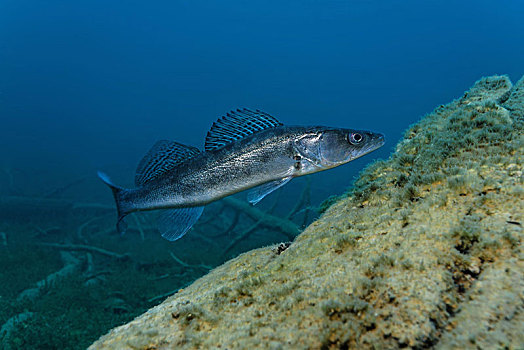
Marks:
<point>244,150</point>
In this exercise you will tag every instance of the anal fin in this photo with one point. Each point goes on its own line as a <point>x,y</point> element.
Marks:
<point>256,194</point>
<point>174,223</point>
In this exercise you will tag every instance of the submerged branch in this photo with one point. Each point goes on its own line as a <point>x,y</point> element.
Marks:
<point>58,191</point>
<point>231,226</point>
<point>199,266</point>
<point>71,265</point>
<point>243,236</point>
<point>286,227</point>
<point>302,201</point>
<point>86,248</point>
<point>11,324</point>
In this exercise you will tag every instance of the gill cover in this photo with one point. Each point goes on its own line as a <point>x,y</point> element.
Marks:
<point>335,147</point>
<point>308,147</point>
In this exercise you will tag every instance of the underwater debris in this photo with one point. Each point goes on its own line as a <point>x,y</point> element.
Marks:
<point>282,247</point>
<point>116,305</point>
<point>72,265</point>
<point>86,248</point>
<point>10,325</point>
<point>59,227</point>
<point>197,266</point>
<point>405,259</point>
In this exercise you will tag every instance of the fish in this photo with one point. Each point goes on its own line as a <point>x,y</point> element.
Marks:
<point>244,150</point>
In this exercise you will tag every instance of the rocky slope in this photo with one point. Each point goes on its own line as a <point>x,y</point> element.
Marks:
<point>425,251</point>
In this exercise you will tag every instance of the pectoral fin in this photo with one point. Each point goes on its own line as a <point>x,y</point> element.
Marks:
<point>256,194</point>
<point>174,223</point>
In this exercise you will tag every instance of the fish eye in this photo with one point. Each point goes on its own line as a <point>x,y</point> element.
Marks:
<point>355,138</point>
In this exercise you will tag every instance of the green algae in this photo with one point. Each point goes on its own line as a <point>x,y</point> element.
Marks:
<point>423,251</point>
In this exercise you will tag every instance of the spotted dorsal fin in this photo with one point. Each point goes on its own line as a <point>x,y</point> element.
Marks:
<point>237,125</point>
<point>162,157</point>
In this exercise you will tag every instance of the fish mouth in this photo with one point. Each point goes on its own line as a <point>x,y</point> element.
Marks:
<point>377,141</point>
<point>380,140</point>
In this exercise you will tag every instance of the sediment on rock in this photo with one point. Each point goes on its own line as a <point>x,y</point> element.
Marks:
<point>424,251</point>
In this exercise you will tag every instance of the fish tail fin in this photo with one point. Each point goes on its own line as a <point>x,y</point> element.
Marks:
<point>122,211</point>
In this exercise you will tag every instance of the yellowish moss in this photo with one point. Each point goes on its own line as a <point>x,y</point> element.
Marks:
<point>424,251</point>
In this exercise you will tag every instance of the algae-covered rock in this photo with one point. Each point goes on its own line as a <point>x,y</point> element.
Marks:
<point>424,251</point>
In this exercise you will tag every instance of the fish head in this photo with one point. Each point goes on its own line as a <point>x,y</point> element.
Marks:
<point>331,147</point>
<point>339,146</point>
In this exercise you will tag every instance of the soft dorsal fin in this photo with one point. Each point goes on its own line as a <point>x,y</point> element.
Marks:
<point>237,125</point>
<point>162,157</point>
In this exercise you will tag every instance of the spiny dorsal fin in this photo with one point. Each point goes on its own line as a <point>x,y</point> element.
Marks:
<point>237,125</point>
<point>162,157</point>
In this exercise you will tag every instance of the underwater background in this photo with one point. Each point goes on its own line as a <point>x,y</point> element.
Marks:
<point>87,86</point>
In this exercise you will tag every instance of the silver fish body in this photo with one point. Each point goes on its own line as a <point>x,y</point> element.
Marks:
<point>264,159</point>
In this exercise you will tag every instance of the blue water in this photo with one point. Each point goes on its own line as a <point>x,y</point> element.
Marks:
<point>91,85</point>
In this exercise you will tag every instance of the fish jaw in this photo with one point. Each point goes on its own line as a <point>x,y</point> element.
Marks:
<point>376,141</point>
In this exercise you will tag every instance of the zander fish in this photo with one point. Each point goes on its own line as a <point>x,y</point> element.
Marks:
<point>244,150</point>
